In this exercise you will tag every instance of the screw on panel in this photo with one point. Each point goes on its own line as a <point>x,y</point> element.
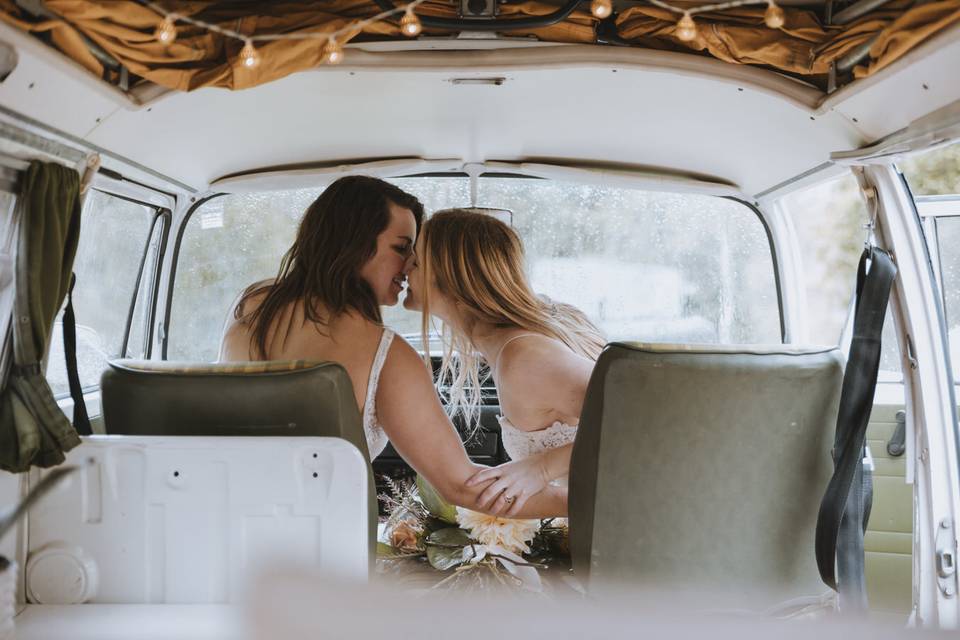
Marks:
<point>316,475</point>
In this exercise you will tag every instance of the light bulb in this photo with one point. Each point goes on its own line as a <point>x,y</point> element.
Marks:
<point>166,31</point>
<point>332,52</point>
<point>774,16</point>
<point>249,56</point>
<point>686,28</point>
<point>410,24</point>
<point>601,8</point>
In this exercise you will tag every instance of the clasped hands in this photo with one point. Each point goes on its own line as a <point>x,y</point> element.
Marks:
<point>511,484</point>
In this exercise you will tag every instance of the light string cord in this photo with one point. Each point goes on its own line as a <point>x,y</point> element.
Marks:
<point>685,28</point>
<point>357,25</point>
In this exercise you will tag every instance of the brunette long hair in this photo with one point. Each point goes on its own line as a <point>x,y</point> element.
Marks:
<point>336,237</point>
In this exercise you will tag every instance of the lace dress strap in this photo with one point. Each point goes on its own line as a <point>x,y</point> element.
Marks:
<point>370,403</point>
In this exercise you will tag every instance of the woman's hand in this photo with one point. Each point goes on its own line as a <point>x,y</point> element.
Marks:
<point>513,483</point>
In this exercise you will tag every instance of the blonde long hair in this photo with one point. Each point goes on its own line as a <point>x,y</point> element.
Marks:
<point>477,261</point>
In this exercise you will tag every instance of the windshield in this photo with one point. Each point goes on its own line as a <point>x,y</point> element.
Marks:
<point>643,265</point>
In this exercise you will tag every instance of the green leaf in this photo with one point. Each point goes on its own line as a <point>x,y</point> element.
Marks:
<point>445,547</point>
<point>437,506</point>
<point>431,524</point>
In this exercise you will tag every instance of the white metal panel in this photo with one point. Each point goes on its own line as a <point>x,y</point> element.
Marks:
<point>54,91</point>
<point>190,520</point>
<point>681,123</point>
<point>931,428</point>
<point>922,82</point>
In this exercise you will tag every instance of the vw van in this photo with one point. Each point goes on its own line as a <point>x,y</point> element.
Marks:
<point>704,194</point>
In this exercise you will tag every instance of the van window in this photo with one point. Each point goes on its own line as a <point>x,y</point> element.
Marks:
<point>113,235</point>
<point>235,240</point>
<point>829,222</point>
<point>644,265</point>
<point>934,181</point>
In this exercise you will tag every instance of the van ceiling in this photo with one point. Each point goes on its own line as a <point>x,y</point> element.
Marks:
<point>656,109</point>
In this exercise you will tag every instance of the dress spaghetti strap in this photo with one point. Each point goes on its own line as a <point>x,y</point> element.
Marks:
<point>496,362</point>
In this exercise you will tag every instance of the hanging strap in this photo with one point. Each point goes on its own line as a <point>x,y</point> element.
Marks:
<point>81,422</point>
<point>845,507</point>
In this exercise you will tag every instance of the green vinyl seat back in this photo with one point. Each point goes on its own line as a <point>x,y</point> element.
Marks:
<point>701,468</point>
<point>271,398</point>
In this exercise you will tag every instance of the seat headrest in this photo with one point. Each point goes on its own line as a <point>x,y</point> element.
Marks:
<point>278,398</point>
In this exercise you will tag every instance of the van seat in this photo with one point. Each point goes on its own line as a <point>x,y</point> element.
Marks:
<point>267,398</point>
<point>701,468</point>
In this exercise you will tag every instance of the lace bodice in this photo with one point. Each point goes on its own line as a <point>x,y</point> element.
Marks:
<point>376,438</point>
<point>523,444</point>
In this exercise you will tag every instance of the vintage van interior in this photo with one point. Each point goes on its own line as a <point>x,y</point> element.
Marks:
<point>676,196</point>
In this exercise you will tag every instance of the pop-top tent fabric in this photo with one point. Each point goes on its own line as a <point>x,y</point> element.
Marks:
<point>33,429</point>
<point>804,47</point>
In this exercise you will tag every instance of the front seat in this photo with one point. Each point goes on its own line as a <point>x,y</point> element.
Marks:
<point>701,469</point>
<point>274,398</point>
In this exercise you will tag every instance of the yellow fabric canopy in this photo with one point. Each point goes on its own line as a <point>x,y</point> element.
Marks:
<point>802,46</point>
<point>199,58</point>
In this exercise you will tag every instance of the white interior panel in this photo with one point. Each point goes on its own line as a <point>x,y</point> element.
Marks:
<point>922,82</point>
<point>46,87</point>
<point>636,117</point>
<point>150,520</point>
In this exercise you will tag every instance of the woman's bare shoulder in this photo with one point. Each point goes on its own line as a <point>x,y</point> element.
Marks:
<point>541,364</point>
<point>250,299</point>
<point>402,357</point>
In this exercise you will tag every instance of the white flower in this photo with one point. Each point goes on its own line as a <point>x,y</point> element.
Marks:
<point>513,535</point>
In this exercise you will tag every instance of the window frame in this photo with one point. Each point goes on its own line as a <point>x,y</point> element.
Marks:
<point>929,219</point>
<point>163,215</point>
<point>175,262</point>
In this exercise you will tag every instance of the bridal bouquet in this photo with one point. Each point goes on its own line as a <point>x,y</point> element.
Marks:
<point>479,549</point>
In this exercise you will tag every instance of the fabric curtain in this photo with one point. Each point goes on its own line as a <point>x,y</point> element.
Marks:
<point>198,58</point>
<point>802,46</point>
<point>33,429</point>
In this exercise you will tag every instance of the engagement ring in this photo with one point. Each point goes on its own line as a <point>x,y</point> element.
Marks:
<point>508,498</point>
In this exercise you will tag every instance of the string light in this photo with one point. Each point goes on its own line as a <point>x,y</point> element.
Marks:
<point>410,24</point>
<point>332,52</point>
<point>686,29</point>
<point>249,57</point>
<point>166,32</point>
<point>774,17</point>
<point>601,8</point>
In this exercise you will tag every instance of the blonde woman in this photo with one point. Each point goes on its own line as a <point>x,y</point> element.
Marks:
<point>470,274</point>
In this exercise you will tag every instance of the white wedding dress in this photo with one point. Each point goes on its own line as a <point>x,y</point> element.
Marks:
<point>376,437</point>
<point>520,443</point>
